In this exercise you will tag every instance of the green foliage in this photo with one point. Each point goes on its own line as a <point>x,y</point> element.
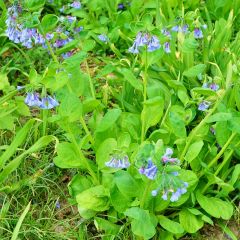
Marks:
<point>121,115</point>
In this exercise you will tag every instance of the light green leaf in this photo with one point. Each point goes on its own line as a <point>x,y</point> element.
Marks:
<point>142,224</point>
<point>195,70</point>
<point>169,225</point>
<point>129,76</point>
<point>194,150</point>
<point>215,206</point>
<point>109,120</point>
<point>190,222</point>
<point>95,198</point>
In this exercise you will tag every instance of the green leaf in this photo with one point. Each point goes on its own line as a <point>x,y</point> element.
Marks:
<point>104,150</point>
<point>141,224</point>
<point>108,227</point>
<point>129,76</point>
<point>78,184</point>
<point>169,225</point>
<point>13,165</point>
<point>195,70</point>
<point>48,23</point>
<point>126,184</point>
<point>235,175</point>
<point>34,5</point>
<point>119,201</point>
<point>152,112</point>
<point>95,198</point>
<point>189,45</point>
<point>108,120</point>
<point>178,125</point>
<point>18,140</point>
<point>20,221</point>
<point>67,156</point>
<point>219,117</point>
<point>71,107</point>
<point>189,221</point>
<point>215,206</point>
<point>193,151</point>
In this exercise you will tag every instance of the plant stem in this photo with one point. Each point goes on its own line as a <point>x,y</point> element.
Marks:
<point>82,121</point>
<point>144,95</point>
<point>225,160</point>
<point>90,81</point>
<point>222,151</point>
<point>82,157</point>
<point>196,129</point>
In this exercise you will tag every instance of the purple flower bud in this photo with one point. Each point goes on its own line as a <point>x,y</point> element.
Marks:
<point>166,47</point>
<point>214,86</point>
<point>58,206</point>
<point>198,33</point>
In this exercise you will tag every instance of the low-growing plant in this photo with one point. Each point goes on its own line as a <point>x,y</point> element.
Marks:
<point>145,94</point>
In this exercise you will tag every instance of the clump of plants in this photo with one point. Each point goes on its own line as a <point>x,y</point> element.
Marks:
<point>139,97</point>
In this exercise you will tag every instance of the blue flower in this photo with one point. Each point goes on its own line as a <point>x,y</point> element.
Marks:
<point>166,47</point>
<point>166,33</point>
<point>150,170</point>
<point>175,28</point>
<point>214,86</point>
<point>198,33</point>
<point>153,44</point>
<point>121,6</point>
<point>116,162</point>
<point>49,103</point>
<point>154,192</point>
<point>185,29</point>
<point>176,195</point>
<point>133,49</point>
<point>32,100</point>
<point>203,106</point>
<point>165,195</point>
<point>76,5</point>
<point>103,38</point>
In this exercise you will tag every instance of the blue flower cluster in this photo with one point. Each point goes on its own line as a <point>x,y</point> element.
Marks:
<point>103,38</point>
<point>17,33</point>
<point>118,162</point>
<point>145,39</point>
<point>175,194</point>
<point>30,37</point>
<point>150,170</point>
<point>34,100</point>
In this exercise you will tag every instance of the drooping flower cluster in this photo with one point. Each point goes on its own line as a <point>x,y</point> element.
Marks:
<point>150,170</point>
<point>17,33</point>
<point>33,100</point>
<point>118,162</point>
<point>175,194</point>
<point>145,39</point>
